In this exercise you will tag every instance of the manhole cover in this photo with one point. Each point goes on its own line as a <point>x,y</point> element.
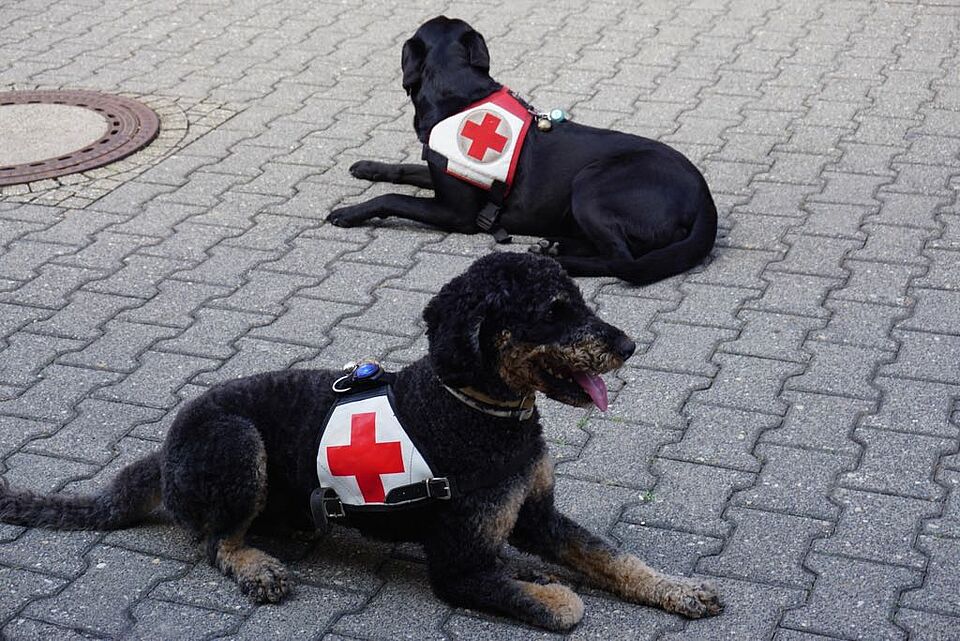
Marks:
<point>45,134</point>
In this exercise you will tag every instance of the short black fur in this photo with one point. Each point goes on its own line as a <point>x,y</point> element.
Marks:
<point>608,203</point>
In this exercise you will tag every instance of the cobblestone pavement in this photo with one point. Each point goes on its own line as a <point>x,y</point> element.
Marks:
<point>788,426</point>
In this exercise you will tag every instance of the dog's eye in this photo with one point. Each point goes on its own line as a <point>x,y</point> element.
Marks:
<point>556,311</point>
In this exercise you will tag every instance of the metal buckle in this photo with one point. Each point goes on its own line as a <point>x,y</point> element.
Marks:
<point>439,488</point>
<point>333,507</point>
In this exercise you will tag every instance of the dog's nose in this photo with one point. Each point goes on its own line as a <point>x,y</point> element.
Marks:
<point>625,347</point>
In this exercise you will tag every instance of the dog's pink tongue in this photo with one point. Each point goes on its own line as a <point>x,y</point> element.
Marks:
<point>593,385</point>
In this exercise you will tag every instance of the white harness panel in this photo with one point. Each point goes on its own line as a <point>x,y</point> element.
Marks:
<point>480,144</point>
<point>365,452</point>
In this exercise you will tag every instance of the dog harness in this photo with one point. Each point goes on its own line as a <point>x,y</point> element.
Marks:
<point>367,460</point>
<point>481,145</point>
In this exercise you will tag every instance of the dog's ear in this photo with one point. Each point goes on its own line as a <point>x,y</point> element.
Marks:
<point>411,61</point>
<point>476,48</point>
<point>454,320</point>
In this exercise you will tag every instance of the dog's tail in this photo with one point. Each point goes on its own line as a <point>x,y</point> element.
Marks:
<point>132,495</point>
<point>658,264</point>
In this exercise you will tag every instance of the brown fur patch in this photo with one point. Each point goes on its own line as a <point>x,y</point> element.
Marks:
<point>541,480</point>
<point>497,524</point>
<point>521,365</point>
<point>260,576</point>
<point>630,578</point>
<point>563,602</point>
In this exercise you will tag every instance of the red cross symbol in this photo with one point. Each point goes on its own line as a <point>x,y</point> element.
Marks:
<point>484,136</point>
<point>364,458</point>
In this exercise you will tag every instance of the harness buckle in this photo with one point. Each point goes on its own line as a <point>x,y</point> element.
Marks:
<point>487,217</point>
<point>332,507</point>
<point>439,488</point>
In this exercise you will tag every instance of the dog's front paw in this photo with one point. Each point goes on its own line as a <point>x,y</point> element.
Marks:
<point>268,583</point>
<point>562,607</point>
<point>347,217</point>
<point>365,170</point>
<point>693,598</point>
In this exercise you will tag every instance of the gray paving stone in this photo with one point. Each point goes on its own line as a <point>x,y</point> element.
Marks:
<point>395,311</point>
<point>254,356</point>
<point>82,317</point>
<point>54,396</point>
<point>948,522</point>
<point>735,267</point>
<point>759,548</point>
<point>935,311</point>
<point>749,383</point>
<point>403,609</point>
<point>877,283</point>
<point>161,620</point>
<point>350,282</point>
<point>910,210</point>
<point>26,354</point>
<point>670,503</point>
<point>138,277</point>
<point>114,580</point>
<point>49,552</point>
<point>52,286</point>
<point>683,348</point>
<point>843,221</point>
<point>97,426</point>
<point>938,593</point>
<point>773,336</point>
<point>655,398</point>
<point>789,293</point>
<point>860,324</point>
<point>897,463</point>
<point>226,266</point>
<point>16,431</point>
<point>851,599</point>
<point>710,305</point>
<point>213,333</point>
<point>914,406</point>
<point>618,453</point>
<point>309,611</point>
<point>815,255</point>
<point>944,270</point>
<point>175,303</point>
<point>306,322</point>
<point>720,436</point>
<point>21,629</point>
<point>926,626</point>
<point>203,586</point>
<point>840,369</point>
<point>877,527</point>
<point>667,550</point>
<point>795,481</point>
<point>926,356</point>
<point>631,314</point>
<point>21,259</point>
<point>20,587</point>
<point>119,347</point>
<point>159,376</point>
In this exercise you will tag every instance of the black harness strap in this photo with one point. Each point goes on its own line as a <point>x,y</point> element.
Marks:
<point>488,218</point>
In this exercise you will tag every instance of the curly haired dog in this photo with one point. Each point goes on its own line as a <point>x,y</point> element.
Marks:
<point>608,203</point>
<point>245,452</point>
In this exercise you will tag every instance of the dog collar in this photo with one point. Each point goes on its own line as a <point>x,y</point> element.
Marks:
<point>520,410</point>
<point>481,144</point>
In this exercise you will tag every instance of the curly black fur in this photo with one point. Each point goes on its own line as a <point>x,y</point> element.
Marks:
<point>244,453</point>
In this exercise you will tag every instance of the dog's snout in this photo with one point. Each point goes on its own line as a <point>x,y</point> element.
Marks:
<point>624,347</point>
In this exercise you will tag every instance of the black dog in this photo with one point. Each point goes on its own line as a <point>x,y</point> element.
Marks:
<point>608,203</point>
<point>245,453</point>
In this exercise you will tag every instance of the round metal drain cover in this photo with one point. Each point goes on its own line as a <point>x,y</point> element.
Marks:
<point>45,134</point>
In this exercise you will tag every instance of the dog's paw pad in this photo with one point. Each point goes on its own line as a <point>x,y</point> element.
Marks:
<point>343,217</point>
<point>545,247</point>
<point>269,583</point>
<point>693,598</point>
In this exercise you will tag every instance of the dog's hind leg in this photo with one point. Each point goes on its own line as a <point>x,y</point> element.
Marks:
<point>398,174</point>
<point>216,485</point>
<point>541,530</point>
